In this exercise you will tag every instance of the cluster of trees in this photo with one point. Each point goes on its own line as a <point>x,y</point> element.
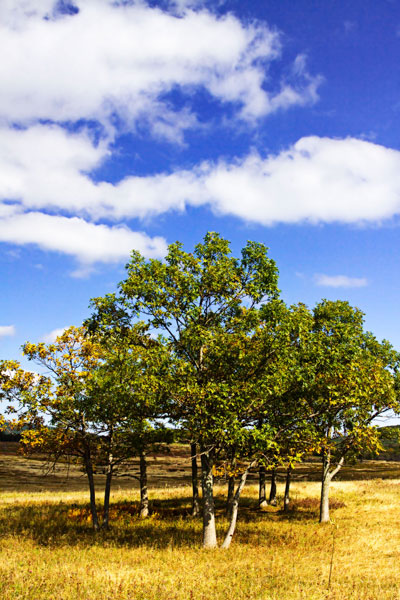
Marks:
<point>201,344</point>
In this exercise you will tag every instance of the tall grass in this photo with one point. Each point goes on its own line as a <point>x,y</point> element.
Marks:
<point>48,550</point>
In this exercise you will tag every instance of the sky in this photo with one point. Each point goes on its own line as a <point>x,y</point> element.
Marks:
<point>132,124</point>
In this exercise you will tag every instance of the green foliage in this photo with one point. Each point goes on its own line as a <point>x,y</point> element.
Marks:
<point>349,379</point>
<point>205,305</point>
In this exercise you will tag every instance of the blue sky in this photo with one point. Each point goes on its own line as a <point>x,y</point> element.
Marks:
<point>134,124</point>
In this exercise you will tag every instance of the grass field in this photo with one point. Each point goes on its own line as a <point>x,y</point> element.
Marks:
<point>48,550</point>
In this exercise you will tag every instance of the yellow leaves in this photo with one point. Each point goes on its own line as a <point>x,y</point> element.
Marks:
<point>33,438</point>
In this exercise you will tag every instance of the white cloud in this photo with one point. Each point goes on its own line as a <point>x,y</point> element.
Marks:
<point>317,180</point>
<point>340,281</point>
<point>108,59</point>
<point>87,242</point>
<point>122,58</point>
<point>44,166</point>
<point>111,58</point>
<point>7,330</point>
<point>13,13</point>
<point>50,338</point>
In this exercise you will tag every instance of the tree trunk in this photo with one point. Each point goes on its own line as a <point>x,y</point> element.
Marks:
<point>272,492</point>
<point>326,480</point>
<point>89,472</point>
<point>207,482</point>
<point>235,507</point>
<point>262,496</point>
<point>327,476</point>
<point>230,496</point>
<point>286,498</point>
<point>231,486</point>
<point>107,490</point>
<point>144,499</point>
<point>195,481</point>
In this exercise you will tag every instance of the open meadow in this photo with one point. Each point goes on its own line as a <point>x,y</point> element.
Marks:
<point>49,551</point>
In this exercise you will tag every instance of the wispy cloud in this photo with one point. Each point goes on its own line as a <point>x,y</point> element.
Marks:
<point>337,281</point>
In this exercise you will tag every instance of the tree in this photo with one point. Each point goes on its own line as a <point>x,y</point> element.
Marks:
<point>70,363</point>
<point>129,387</point>
<point>284,333</point>
<point>103,398</point>
<point>15,385</point>
<point>205,304</point>
<point>349,380</point>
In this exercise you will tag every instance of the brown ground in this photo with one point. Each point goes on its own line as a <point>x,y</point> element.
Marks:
<point>33,474</point>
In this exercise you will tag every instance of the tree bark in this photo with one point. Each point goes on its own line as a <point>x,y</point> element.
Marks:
<point>144,498</point>
<point>327,476</point>
<point>325,482</point>
<point>262,496</point>
<point>230,496</point>
<point>195,480</point>
<point>286,498</point>
<point>207,482</point>
<point>231,486</point>
<point>89,472</point>
<point>235,507</point>
<point>107,490</point>
<point>272,492</point>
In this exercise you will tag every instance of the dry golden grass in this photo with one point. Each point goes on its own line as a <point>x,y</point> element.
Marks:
<point>48,550</point>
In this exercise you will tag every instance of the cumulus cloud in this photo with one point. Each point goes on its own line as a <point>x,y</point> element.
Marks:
<point>87,242</point>
<point>105,59</point>
<point>317,180</point>
<point>337,281</point>
<point>44,169</point>
<point>7,330</point>
<point>112,58</point>
<point>112,64</point>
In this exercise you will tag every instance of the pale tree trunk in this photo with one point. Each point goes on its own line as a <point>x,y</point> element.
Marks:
<point>286,498</point>
<point>89,472</point>
<point>207,482</point>
<point>272,492</point>
<point>107,490</point>
<point>106,510</point>
<point>262,496</point>
<point>231,487</point>
<point>235,507</point>
<point>144,498</point>
<point>327,476</point>
<point>230,495</point>
<point>195,480</point>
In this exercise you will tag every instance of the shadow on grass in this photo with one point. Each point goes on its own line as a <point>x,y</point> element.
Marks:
<point>51,524</point>
<point>169,524</point>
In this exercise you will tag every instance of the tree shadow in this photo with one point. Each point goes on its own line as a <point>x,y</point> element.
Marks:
<point>59,524</point>
<point>169,524</point>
